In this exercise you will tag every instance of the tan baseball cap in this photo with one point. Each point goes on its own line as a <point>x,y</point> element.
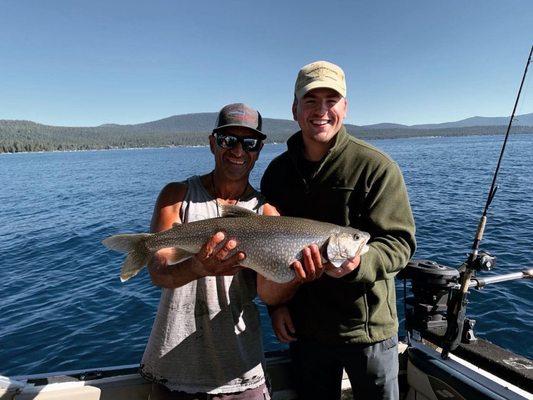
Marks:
<point>320,74</point>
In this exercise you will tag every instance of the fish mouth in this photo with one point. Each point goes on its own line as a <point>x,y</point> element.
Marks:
<point>363,248</point>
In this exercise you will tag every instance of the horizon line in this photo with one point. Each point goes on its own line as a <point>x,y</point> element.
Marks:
<point>264,117</point>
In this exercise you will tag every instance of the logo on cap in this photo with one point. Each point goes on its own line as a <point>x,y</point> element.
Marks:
<point>320,74</point>
<point>239,114</point>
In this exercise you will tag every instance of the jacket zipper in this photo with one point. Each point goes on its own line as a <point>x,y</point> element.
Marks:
<point>367,310</point>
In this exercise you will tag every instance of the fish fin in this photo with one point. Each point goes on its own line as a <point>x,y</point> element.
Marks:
<point>236,212</point>
<point>178,255</point>
<point>138,254</point>
<point>124,242</point>
<point>135,261</point>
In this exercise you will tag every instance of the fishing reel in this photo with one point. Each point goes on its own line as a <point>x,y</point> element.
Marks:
<point>432,285</point>
<point>433,289</point>
<point>484,261</point>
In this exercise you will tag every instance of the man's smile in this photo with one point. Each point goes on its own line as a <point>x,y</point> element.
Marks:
<point>320,122</point>
<point>235,161</point>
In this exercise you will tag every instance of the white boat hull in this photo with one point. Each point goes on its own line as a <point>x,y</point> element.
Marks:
<point>423,376</point>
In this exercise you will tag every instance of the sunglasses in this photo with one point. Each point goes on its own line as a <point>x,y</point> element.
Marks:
<point>230,142</point>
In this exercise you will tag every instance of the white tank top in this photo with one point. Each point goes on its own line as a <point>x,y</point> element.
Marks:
<point>206,336</point>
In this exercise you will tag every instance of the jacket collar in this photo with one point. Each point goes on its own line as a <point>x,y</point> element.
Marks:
<point>295,145</point>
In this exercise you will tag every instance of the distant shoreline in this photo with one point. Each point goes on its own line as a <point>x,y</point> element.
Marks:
<point>192,130</point>
<point>112,149</point>
<point>370,139</point>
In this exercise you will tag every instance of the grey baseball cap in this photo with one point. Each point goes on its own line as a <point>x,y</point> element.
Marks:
<point>239,114</point>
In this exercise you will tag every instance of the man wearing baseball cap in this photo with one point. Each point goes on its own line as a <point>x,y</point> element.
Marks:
<point>340,317</point>
<point>206,338</point>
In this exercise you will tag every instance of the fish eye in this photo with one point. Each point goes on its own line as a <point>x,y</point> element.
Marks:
<point>356,236</point>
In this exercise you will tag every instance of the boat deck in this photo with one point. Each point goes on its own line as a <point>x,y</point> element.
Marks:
<point>423,374</point>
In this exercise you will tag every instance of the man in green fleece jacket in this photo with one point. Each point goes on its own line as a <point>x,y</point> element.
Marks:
<point>341,317</point>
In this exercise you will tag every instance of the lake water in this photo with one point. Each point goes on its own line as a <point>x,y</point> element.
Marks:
<point>63,307</point>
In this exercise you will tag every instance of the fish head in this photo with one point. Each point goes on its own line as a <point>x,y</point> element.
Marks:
<point>342,246</point>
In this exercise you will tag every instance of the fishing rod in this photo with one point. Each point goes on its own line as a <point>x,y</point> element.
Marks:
<point>477,260</point>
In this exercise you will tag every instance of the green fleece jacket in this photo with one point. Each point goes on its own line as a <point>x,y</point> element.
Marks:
<point>354,185</point>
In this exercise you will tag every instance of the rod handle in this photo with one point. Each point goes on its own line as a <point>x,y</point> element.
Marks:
<point>481,228</point>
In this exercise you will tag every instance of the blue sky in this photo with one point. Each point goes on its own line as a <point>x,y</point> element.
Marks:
<point>85,63</point>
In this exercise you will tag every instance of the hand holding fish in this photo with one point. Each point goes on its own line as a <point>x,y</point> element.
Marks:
<point>215,259</point>
<point>346,267</point>
<point>211,260</point>
<point>311,266</point>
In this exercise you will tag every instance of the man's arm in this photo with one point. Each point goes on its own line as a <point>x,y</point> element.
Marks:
<point>390,222</point>
<point>210,260</point>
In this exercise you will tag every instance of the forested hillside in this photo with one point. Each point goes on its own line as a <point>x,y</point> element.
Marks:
<point>193,129</point>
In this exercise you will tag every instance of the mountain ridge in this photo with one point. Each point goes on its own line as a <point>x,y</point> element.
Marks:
<point>192,129</point>
<point>520,120</point>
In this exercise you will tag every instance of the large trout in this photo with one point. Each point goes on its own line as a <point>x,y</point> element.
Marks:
<point>271,243</point>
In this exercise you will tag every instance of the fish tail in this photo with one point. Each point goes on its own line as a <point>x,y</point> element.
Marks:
<point>138,254</point>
